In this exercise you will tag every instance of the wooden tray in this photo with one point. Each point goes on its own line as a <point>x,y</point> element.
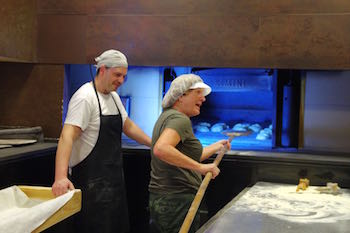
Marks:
<point>44,193</point>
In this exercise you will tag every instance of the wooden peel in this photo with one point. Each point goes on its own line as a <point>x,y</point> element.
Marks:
<point>237,133</point>
<point>202,188</point>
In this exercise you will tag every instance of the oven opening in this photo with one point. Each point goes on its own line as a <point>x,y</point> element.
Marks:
<point>263,101</point>
<point>241,100</point>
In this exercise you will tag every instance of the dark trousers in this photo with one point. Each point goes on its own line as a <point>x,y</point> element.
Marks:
<point>167,212</point>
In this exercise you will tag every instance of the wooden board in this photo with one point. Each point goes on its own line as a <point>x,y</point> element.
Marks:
<point>44,193</point>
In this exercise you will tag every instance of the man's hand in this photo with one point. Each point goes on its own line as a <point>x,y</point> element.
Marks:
<point>62,186</point>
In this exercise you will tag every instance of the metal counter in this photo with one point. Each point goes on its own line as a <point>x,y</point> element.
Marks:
<point>17,153</point>
<point>274,208</point>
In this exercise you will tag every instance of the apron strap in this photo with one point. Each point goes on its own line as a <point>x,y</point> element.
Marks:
<point>99,105</point>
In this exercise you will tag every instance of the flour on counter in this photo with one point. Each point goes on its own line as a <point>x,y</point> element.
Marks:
<point>283,202</point>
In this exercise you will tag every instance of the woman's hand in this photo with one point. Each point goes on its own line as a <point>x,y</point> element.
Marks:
<point>216,147</point>
<point>211,167</point>
<point>223,145</point>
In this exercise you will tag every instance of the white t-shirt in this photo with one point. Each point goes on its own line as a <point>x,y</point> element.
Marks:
<point>83,111</point>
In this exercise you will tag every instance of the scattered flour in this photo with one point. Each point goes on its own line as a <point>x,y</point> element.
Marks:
<point>283,202</point>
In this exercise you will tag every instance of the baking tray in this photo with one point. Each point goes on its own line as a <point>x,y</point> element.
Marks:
<point>45,193</point>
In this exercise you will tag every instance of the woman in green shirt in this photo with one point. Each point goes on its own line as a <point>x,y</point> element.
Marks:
<point>176,168</point>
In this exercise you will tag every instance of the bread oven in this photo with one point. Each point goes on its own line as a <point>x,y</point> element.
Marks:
<point>257,100</point>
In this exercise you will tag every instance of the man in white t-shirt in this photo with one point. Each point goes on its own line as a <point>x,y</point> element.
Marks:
<point>89,148</point>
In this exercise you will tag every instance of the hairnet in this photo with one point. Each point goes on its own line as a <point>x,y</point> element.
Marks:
<point>111,58</point>
<point>180,85</point>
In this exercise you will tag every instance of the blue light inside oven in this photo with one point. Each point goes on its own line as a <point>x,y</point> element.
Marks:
<point>241,100</point>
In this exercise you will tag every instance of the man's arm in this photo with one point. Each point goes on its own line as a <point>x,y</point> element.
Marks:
<point>68,135</point>
<point>133,131</point>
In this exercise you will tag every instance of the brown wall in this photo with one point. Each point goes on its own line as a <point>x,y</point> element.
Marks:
<point>271,33</point>
<point>31,95</point>
<point>305,34</point>
<point>18,30</point>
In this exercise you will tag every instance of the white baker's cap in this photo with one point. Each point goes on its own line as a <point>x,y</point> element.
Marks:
<point>202,85</point>
<point>180,85</point>
<point>111,58</point>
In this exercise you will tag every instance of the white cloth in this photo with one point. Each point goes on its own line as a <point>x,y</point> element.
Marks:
<point>18,213</point>
<point>83,112</point>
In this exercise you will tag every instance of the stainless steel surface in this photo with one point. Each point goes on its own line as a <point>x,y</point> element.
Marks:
<point>272,208</point>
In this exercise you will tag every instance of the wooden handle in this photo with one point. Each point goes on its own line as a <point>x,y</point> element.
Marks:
<point>200,193</point>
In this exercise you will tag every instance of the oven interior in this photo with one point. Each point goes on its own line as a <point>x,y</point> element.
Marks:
<point>242,100</point>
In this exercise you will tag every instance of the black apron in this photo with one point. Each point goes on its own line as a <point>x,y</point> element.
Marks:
<point>100,176</point>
